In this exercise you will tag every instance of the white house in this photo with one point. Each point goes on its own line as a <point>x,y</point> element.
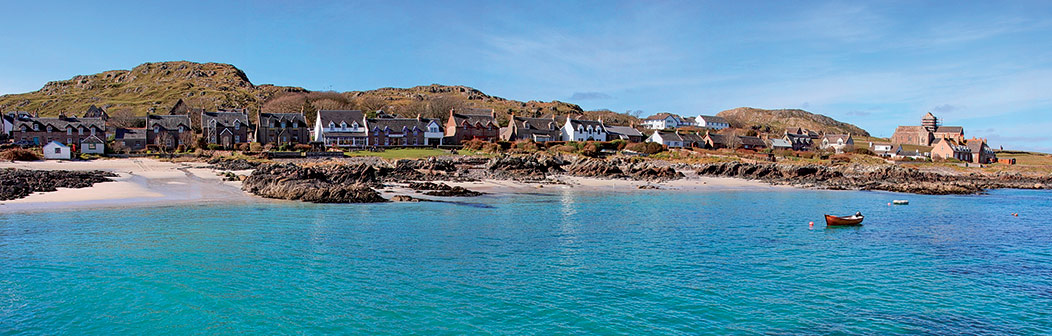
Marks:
<point>583,130</point>
<point>670,139</point>
<point>8,124</point>
<point>341,128</point>
<point>55,150</point>
<point>92,145</point>
<point>663,121</point>
<point>837,142</point>
<point>711,122</point>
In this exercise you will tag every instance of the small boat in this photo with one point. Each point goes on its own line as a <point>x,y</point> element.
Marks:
<point>900,202</point>
<point>855,219</point>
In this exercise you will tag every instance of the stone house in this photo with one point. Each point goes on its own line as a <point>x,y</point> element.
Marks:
<point>168,131</point>
<point>282,129</point>
<point>691,140</point>
<point>799,138</point>
<point>751,142</point>
<point>981,153</point>
<point>227,128</point>
<point>93,145</point>
<point>70,131</point>
<point>472,124</point>
<point>583,130</point>
<point>341,128</point>
<point>536,129</point>
<point>134,139</point>
<point>715,141</point>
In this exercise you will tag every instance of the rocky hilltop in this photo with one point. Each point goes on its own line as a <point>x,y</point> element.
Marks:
<point>778,120</point>
<point>148,85</point>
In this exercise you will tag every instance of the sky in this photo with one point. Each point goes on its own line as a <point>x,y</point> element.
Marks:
<point>984,65</point>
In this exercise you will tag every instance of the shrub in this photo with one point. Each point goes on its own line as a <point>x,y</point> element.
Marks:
<point>840,158</point>
<point>646,147</point>
<point>302,147</point>
<point>255,147</point>
<point>19,154</point>
<point>244,147</point>
<point>565,149</point>
<point>202,143</point>
<point>283,148</point>
<point>474,144</point>
<point>490,147</point>
<point>526,146</point>
<point>617,145</point>
<point>214,147</point>
<point>864,151</point>
<point>180,148</point>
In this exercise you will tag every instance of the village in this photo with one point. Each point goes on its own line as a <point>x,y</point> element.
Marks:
<point>183,129</point>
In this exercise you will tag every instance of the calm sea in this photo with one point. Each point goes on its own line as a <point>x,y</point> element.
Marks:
<point>580,263</point>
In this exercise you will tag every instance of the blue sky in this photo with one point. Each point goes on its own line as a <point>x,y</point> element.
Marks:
<point>984,65</point>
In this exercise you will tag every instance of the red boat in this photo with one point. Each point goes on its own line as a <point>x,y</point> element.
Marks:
<point>855,219</point>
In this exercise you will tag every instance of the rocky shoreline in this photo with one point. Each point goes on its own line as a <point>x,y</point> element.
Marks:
<point>20,183</point>
<point>341,182</point>
<point>882,177</point>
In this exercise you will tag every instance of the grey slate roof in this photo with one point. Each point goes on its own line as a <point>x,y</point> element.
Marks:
<point>781,143</point>
<point>692,138</point>
<point>268,119</point>
<point>167,122</point>
<point>534,128</point>
<point>95,112</point>
<point>397,125</point>
<point>60,124</point>
<point>576,122</point>
<point>669,136</point>
<point>130,134</point>
<point>341,116</point>
<point>949,129</point>
<point>752,141</point>
<point>92,139</point>
<point>224,118</point>
<point>474,116</point>
<point>623,130</point>
<point>835,137</point>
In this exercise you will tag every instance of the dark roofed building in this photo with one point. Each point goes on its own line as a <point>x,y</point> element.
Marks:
<point>392,131</point>
<point>751,142</point>
<point>536,129</point>
<point>583,130</point>
<point>472,124</point>
<point>928,133</point>
<point>133,139</point>
<point>95,112</point>
<point>282,129</point>
<point>168,131</point>
<point>630,134</point>
<point>69,131</point>
<point>715,141</point>
<point>226,128</point>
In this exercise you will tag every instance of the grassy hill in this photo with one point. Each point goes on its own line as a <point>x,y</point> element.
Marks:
<point>778,120</point>
<point>160,85</point>
<point>215,85</point>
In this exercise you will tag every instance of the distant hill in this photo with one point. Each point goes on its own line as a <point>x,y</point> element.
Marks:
<point>778,120</point>
<point>216,85</point>
<point>160,85</point>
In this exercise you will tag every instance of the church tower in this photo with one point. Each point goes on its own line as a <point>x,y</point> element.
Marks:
<point>930,122</point>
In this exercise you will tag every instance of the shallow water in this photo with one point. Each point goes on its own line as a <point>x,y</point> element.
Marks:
<point>641,262</point>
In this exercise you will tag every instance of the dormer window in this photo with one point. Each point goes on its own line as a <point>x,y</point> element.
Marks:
<point>93,131</point>
<point>69,130</point>
<point>180,128</point>
<point>343,125</point>
<point>354,125</point>
<point>237,124</point>
<point>156,129</point>
<point>525,125</point>
<point>50,129</point>
<point>80,131</point>
<point>332,125</point>
<point>283,124</point>
<point>36,127</point>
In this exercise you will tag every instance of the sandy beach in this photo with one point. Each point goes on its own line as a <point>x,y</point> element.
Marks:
<point>148,182</point>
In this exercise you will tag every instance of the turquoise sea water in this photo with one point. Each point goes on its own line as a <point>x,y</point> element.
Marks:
<point>608,263</point>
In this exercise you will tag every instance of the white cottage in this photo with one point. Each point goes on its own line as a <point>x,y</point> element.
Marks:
<point>92,145</point>
<point>56,151</point>
<point>712,122</point>
<point>583,130</point>
<point>670,139</point>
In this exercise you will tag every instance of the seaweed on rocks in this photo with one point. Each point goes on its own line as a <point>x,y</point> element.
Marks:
<point>335,183</point>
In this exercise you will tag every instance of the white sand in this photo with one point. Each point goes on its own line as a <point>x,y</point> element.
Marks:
<point>148,182</point>
<point>141,182</point>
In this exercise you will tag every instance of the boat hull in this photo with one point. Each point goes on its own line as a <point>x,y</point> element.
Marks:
<point>841,221</point>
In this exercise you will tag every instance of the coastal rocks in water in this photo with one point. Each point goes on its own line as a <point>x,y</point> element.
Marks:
<point>19,183</point>
<point>423,169</point>
<point>442,189</point>
<point>525,167</point>
<point>233,164</point>
<point>329,183</point>
<point>869,177</point>
<point>619,168</point>
<point>405,198</point>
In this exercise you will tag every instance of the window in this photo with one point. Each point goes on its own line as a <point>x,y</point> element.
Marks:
<point>237,124</point>
<point>69,130</point>
<point>343,125</point>
<point>80,131</point>
<point>237,138</point>
<point>91,146</point>
<point>180,128</point>
<point>69,141</point>
<point>36,127</point>
<point>50,129</point>
<point>157,129</point>
<point>283,124</point>
<point>332,125</point>
<point>58,150</point>
<point>92,131</point>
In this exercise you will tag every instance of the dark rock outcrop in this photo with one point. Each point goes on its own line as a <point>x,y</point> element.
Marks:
<point>525,167</point>
<point>619,168</point>
<point>19,183</point>
<point>859,177</point>
<point>442,189</point>
<point>233,164</point>
<point>331,183</point>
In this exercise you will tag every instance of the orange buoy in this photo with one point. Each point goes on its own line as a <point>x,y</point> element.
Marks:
<point>811,224</point>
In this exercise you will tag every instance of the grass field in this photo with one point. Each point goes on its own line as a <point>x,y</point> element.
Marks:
<point>403,153</point>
